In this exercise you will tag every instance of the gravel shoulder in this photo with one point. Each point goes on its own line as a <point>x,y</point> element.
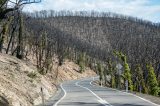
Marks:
<point>151,98</point>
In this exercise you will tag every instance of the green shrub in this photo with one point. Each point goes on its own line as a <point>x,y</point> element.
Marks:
<point>81,62</point>
<point>100,71</point>
<point>111,72</point>
<point>32,75</point>
<point>82,67</point>
<point>152,81</point>
<point>127,76</point>
<point>140,80</point>
<point>127,72</point>
<point>145,89</point>
<point>113,82</point>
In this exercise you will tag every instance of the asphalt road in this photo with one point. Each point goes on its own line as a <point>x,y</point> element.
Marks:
<point>83,93</point>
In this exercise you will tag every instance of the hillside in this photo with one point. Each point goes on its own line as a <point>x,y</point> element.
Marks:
<point>60,46</point>
<point>20,83</point>
<point>40,51</point>
<point>98,34</point>
<point>102,40</point>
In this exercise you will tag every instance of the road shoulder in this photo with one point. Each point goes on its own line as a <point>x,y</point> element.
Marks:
<point>146,97</point>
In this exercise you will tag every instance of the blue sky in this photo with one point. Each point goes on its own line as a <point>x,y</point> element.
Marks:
<point>145,9</point>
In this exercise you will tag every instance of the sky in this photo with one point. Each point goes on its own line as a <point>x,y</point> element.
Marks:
<point>144,9</point>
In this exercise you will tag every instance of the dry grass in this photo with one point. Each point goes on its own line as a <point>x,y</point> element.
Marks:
<point>20,83</point>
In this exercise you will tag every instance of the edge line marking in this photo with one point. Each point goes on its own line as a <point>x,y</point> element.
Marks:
<point>128,94</point>
<point>105,103</point>
<point>61,97</point>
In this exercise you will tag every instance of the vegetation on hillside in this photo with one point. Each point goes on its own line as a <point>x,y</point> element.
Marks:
<point>98,35</point>
<point>89,39</point>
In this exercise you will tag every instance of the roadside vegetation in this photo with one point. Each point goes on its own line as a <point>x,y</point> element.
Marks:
<point>101,41</point>
<point>147,86</point>
<point>90,39</point>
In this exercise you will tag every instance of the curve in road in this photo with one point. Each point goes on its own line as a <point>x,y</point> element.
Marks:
<point>83,93</point>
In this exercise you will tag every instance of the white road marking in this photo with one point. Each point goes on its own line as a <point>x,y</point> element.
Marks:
<point>129,94</point>
<point>141,98</point>
<point>62,97</point>
<point>100,100</point>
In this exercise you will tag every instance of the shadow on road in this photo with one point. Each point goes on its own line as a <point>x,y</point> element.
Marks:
<point>80,104</point>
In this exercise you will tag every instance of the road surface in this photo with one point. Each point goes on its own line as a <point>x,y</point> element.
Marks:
<point>83,93</point>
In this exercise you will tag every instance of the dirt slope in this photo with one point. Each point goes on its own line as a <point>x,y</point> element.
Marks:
<point>20,83</point>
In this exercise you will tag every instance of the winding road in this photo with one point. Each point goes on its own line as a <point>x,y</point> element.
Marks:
<point>83,93</point>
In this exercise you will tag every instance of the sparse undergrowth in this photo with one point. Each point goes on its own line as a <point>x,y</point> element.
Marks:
<point>32,75</point>
<point>21,82</point>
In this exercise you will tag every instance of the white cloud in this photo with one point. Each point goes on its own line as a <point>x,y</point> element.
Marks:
<point>136,8</point>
